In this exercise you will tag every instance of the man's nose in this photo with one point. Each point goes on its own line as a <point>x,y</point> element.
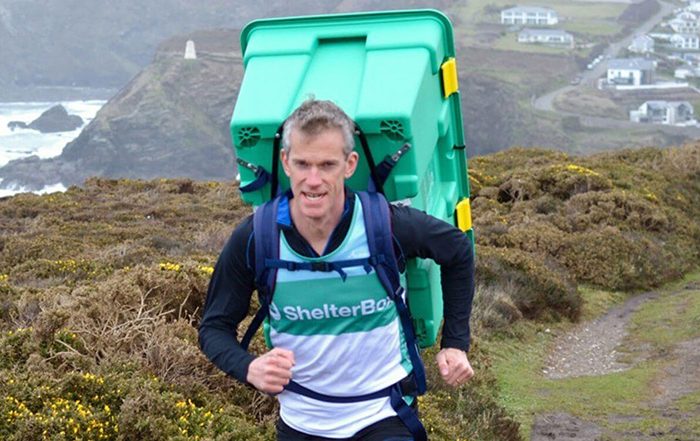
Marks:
<point>314,176</point>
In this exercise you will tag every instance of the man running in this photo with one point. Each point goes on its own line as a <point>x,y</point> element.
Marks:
<point>334,333</point>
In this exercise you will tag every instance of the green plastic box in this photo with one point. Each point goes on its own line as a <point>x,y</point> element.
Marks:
<point>394,74</point>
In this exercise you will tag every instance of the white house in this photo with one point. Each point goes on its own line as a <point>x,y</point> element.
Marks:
<point>642,44</point>
<point>685,41</point>
<point>529,15</point>
<point>631,71</point>
<point>683,73</point>
<point>546,36</point>
<point>664,112</point>
<point>685,23</point>
<point>693,6</point>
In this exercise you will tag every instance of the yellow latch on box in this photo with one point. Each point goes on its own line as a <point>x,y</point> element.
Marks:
<point>450,82</point>
<point>464,215</point>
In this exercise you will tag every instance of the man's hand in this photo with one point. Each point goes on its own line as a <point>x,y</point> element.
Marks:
<point>454,366</point>
<point>271,371</point>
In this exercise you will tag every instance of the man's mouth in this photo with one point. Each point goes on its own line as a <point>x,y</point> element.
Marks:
<point>313,196</point>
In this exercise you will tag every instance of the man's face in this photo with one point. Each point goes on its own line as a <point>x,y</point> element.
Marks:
<point>317,168</point>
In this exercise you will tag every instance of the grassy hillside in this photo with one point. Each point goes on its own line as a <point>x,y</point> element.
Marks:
<point>101,288</point>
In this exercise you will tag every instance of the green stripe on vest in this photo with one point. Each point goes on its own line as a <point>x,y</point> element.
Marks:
<point>313,307</point>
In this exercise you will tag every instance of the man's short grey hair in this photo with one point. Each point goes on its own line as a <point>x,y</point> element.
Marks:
<point>313,117</point>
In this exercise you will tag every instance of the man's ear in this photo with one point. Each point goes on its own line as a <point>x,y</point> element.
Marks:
<point>351,164</point>
<point>285,161</point>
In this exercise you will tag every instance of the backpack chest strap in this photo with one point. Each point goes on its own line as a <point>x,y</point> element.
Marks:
<point>366,263</point>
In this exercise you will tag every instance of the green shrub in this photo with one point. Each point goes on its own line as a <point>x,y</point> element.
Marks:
<point>618,220</point>
<point>537,290</point>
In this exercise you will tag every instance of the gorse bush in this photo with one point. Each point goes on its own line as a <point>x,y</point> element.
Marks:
<point>101,290</point>
<point>125,404</point>
<point>545,221</point>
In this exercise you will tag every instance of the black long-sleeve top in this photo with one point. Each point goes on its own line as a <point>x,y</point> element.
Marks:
<point>417,235</point>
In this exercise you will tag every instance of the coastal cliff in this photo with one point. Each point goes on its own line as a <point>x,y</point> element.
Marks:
<point>171,120</point>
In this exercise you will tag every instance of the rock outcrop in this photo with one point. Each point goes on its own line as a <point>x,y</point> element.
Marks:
<point>17,125</point>
<point>56,119</point>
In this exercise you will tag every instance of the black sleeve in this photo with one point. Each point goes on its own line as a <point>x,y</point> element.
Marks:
<point>424,236</point>
<point>228,301</point>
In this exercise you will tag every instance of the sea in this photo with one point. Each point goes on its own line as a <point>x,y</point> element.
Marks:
<point>20,143</point>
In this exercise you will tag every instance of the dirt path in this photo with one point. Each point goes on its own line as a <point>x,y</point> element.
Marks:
<point>590,349</point>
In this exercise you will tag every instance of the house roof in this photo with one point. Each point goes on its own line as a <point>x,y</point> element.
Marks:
<point>685,16</point>
<point>684,36</point>
<point>642,39</point>
<point>631,64</point>
<point>530,9</point>
<point>658,104</point>
<point>545,32</point>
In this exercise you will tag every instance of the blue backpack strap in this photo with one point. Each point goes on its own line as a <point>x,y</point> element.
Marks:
<point>395,392</point>
<point>381,245</point>
<point>267,241</point>
<point>384,168</point>
<point>407,414</point>
<point>262,177</point>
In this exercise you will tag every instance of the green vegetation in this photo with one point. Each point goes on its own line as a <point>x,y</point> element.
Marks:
<point>509,42</point>
<point>623,402</point>
<point>620,220</point>
<point>596,19</point>
<point>667,321</point>
<point>101,288</point>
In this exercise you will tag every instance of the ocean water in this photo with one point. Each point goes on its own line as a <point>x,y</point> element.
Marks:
<point>20,143</point>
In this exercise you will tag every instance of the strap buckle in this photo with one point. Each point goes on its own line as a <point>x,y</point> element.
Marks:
<point>409,385</point>
<point>400,152</point>
<point>250,166</point>
<point>321,266</point>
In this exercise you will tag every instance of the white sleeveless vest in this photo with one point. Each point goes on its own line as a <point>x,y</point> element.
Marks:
<point>346,337</point>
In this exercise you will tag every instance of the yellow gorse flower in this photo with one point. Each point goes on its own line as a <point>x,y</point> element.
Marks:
<point>208,270</point>
<point>581,170</point>
<point>168,266</point>
<point>67,416</point>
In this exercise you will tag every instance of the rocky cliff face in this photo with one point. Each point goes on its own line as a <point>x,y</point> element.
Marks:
<point>170,121</point>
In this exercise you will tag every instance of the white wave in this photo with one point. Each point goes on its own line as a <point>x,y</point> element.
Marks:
<point>20,143</point>
<point>53,188</point>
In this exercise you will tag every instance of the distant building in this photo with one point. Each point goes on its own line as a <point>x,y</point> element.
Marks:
<point>683,73</point>
<point>693,6</point>
<point>190,52</point>
<point>685,23</point>
<point>631,71</point>
<point>664,112</point>
<point>546,36</point>
<point>529,15</point>
<point>642,44</point>
<point>685,41</point>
